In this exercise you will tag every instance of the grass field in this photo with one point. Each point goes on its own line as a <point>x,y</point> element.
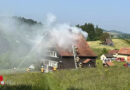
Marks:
<point>99,78</point>
<point>118,43</point>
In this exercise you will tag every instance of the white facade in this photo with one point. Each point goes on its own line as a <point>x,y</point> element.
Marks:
<point>50,63</point>
<point>52,53</point>
<point>105,59</point>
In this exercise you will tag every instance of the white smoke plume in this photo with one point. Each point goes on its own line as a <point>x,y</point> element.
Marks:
<point>62,34</point>
<point>26,41</point>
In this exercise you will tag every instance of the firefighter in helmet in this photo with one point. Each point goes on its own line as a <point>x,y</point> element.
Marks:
<point>42,69</point>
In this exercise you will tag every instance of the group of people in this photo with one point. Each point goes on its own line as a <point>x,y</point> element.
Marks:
<point>48,69</point>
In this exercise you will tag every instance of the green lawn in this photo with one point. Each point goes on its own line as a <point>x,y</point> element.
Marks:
<point>99,78</point>
<point>118,43</point>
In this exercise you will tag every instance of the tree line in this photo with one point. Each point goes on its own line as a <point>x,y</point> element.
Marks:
<point>94,32</point>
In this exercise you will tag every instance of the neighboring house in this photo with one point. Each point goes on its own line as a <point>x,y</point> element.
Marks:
<point>128,59</point>
<point>124,53</point>
<point>114,52</point>
<point>79,55</point>
<point>106,57</point>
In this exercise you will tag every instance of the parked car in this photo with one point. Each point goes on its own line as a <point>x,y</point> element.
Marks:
<point>120,59</point>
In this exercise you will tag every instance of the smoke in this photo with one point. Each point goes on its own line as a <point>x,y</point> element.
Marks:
<point>64,35</point>
<point>24,43</point>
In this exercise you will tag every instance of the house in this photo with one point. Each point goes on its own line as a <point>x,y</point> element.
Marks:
<point>128,62</point>
<point>124,53</point>
<point>109,42</point>
<point>106,57</point>
<point>79,55</point>
<point>114,52</point>
<point>111,55</point>
<point>107,60</point>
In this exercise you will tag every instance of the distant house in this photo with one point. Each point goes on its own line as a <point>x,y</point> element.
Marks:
<point>106,57</point>
<point>128,59</point>
<point>114,52</point>
<point>109,42</point>
<point>124,53</point>
<point>111,55</point>
<point>79,55</point>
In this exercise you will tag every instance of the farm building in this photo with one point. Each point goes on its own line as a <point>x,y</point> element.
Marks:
<point>77,56</point>
<point>124,53</point>
<point>109,42</point>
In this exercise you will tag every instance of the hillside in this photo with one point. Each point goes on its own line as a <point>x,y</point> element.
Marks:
<point>118,43</point>
<point>118,34</point>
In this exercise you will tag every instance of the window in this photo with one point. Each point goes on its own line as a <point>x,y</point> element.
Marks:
<point>52,53</point>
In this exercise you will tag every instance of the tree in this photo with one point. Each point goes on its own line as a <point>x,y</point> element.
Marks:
<point>99,33</point>
<point>89,28</point>
<point>104,37</point>
<point>104,51</point>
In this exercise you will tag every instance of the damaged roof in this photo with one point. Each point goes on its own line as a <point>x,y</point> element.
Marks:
<point>83,48</point>
<point>124,51</point>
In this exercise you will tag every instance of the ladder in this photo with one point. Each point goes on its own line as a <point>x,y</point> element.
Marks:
<point>75,56</point>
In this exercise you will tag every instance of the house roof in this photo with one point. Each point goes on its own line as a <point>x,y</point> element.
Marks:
<point>113,51</point>
<point>124,51</point>
<point>86,61</point>
<point>110,63</point>
<point>83,48</point>
<point>109,55</point>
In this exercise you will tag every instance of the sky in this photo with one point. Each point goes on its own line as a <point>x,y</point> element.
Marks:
<point>107,14</point>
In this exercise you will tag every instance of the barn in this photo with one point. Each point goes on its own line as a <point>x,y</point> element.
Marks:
<point>109,42</point>
<point>78,56</point>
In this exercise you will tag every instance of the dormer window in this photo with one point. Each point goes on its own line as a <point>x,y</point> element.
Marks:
<point>52,53</point>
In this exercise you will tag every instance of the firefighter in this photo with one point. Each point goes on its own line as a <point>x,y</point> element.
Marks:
<point>42,69</point>
<point>27,69</point>
<point>77,59</point>
<point>80,65</point>
<point>76,50</point>
<point>54,68</point>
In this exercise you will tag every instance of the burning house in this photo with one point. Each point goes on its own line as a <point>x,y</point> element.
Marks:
<point>77,55</point>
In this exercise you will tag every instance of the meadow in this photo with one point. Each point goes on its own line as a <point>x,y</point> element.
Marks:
<point>97,47</point>
<point>99,78</point>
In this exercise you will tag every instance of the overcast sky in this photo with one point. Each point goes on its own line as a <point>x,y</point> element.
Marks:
<point>108,14</point>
